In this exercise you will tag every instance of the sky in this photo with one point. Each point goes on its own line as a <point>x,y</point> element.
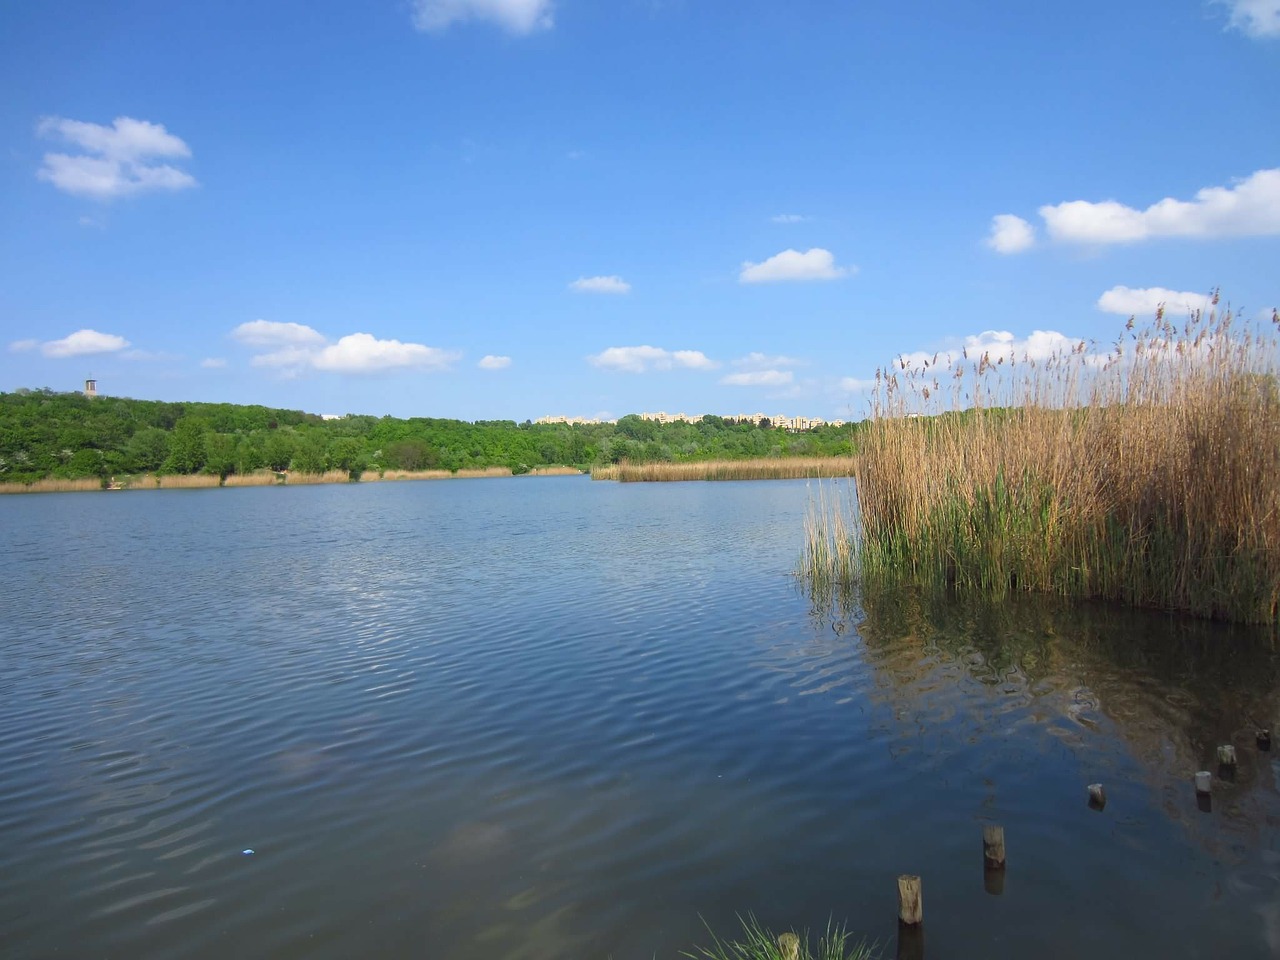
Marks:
<point>509,209</point>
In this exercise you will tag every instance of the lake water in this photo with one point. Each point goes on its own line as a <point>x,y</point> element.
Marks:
<point>550,718</point>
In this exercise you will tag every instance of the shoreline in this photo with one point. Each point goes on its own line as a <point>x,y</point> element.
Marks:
<point>197,481</point>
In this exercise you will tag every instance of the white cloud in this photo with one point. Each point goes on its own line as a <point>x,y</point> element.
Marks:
<point>1251,207</point>
<point>294,347</point>
<point>995,344</point>
<point>1256,18</point>
<point>1010,234</point>
<point>758,378</point>
<point>600,285</point>
<point>365,353</point>
<point>286,358</point>
<point>213,363</point>
<point>269,333</point>
<point>644,358</point>
<point>515,16</point>
<point>22,346</point>
<point>790,218</point>
<point>117,160</point>
<point>491,362</point>
<point>82,343</point>
<point>1128,301</point>
<point>759,361</point>
<point>854,385</point>
<point>814,264</point>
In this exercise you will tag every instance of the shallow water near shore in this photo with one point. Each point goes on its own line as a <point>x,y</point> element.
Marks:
<point>546,718</point>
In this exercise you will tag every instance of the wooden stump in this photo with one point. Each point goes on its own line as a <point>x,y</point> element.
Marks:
<point>910,900</point>
<point>993,845</point>
<point>1264,739</point>
<point>1097,796</point>
<point>1227,755</point>
<point>1204,782</point>
<point>789,946</point>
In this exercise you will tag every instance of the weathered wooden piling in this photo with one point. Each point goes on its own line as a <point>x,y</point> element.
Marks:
<point>1264,739</point>
<point>1204,782</point>
<point>1227,755</point>
<point>789,946</point>
<point>910,900</point>
<point>1097,796</point>
<point>993,845</point>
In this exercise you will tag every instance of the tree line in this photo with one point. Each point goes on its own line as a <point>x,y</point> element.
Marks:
<point>44,434</point>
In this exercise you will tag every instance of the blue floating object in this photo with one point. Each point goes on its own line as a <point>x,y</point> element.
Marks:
<point>247,853</point>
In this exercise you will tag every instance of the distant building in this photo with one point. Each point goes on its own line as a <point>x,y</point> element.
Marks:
<point>91,388</point>
<point>570,421</point>
<point>663,417</point>
<point>780,422</point>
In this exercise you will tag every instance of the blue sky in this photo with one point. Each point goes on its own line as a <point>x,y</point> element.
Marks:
<point>512,208</point>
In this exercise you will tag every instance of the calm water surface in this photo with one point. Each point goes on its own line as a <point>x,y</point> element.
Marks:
<point>549,718</point>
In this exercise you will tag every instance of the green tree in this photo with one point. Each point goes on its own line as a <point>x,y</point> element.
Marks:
<point>146,450</point>
<point>220,454</point>
<point>186,446</point>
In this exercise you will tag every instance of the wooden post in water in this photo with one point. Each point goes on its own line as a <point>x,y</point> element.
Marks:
<point>993,845</point>
<point>789,946</point>
<point>1227,755</point>
<point>1097,796</point>
<point>1204,782</point>
<point>1264,739</point>
<point>910,900</point>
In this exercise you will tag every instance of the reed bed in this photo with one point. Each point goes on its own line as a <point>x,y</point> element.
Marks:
<point>468,474</point>
<point>259,478</point>
<point>789,468</point>
<point>1149,474</point>
<point>180,481</point>
<point>555,472</point>
<point>329,476</point>
<point>53,486</point>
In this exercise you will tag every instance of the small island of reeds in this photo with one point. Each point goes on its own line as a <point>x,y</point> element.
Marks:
<point>759,468</point>
<point>1148,474</point>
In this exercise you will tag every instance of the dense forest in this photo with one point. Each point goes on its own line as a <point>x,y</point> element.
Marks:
<point>44,434</point>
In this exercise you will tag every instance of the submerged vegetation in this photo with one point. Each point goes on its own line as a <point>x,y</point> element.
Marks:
<point>1149,474</point>
<point>49,438</point>
<point>789,468</point>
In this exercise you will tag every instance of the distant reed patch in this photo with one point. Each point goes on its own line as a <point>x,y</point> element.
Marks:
<point>441,474</point>
<point>53,486</point>
<point>789,468</point>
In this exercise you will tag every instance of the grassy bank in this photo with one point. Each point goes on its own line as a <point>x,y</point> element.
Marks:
<point>1149,475</point>
<point>791,468</point>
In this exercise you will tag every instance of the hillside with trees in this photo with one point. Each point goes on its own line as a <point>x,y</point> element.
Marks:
<point>44,434</point>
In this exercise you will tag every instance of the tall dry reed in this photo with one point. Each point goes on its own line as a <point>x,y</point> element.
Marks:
<point>464,474</point>
<point>53,486</point>
<point>259,478</point>
<point>1149,474</point>
<point>329,476</point>
<point>789,468</point>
